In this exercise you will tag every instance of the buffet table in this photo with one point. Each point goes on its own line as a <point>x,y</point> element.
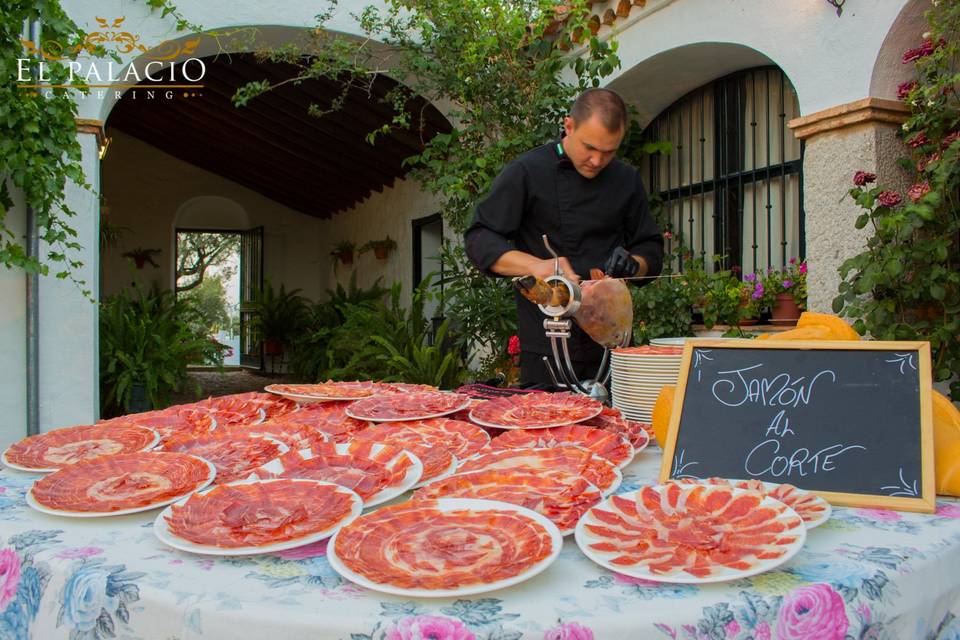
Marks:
<point>864,574</point>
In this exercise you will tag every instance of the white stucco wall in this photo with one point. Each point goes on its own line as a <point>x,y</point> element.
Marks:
<point>382,214</point>
<point>829,59</point>
<point>145,188</point>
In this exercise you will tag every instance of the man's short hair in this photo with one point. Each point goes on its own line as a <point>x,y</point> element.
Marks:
<point>606,104</point>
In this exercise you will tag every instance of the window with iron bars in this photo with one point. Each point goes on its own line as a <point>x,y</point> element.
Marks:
<point>732,187</point>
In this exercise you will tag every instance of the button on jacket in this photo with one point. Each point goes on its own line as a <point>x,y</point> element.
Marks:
<point>585,220</point>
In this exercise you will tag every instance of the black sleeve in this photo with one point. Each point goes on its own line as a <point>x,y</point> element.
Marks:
<point>643,237</point>
<point>497,218</point>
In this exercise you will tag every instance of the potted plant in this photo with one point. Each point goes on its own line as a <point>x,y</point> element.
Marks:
<point>147,339</point>
<point>278,317</point>
<point>728,300</point>
<point>381,248</point>
<point>343,252</point>
<point>787,292</point>
<point>905,285</point>
<point>141,257</point>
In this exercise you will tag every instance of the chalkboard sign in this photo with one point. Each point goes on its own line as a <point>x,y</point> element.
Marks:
<point>848,420</point>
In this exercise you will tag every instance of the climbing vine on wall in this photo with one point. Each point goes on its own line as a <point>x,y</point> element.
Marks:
<point>39,150</point>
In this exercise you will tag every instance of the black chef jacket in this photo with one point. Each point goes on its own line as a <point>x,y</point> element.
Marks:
<point>541,192</point>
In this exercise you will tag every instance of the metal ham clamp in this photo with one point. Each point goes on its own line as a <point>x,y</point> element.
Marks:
<point>601,306</point>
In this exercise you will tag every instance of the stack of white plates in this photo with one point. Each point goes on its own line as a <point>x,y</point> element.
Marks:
<point>638,374</point>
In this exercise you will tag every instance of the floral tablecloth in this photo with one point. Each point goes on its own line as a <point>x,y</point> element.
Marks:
<point>864,574</point>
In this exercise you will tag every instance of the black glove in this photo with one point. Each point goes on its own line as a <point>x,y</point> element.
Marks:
<point>621,264</point>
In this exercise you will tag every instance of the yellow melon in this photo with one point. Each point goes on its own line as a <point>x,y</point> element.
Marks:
<point>805,333</point>
<point>662,409</point>
<point>839,329</point>
<point>946,444</point>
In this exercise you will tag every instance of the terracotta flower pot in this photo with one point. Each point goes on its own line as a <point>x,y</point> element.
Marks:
<point>381,253</point>
<point>272,347</point>
<point>785,310</point>
<point>346,257</point>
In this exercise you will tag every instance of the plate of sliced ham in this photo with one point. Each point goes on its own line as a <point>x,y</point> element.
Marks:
<point>324,391</point>
<point>120,484</point>
<point>598,471</point>
<point>444,548</point>
<point>53,450</point>
<point>812,508</point>
<point>419,405</point>
<point>537,410</point>
<point>562,498</point>
<point>235,454</point>
<point>690,533</point>
<point>612,446</point>
<point>256,516</point>
<point>374,471</point>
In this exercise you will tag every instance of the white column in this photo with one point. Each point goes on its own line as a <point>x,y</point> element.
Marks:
<point>69,350</point>
<point>859,136</point>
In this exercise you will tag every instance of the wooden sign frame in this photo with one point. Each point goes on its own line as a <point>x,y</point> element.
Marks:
<point>926,503</point>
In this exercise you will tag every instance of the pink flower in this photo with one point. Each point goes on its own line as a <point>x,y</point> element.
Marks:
<point>803,267</point>
<point>880,515</point>
<point>862,178</point>
<point>750,277</point>
<point>757,291</point>
<point>948,510</point>
<point>918,140</point>
<point>79,553</point>
<point>513,347</point>
<point>889,198</point>
<point>793,261</point>
<point>732,629</point>
<point>904,89</point>
<point>9,576</point>
<point>569,631</point>
<point>429,628</point>
<point>761,631</point>
<point>667,235</point>
<point>814,612</point>
<point>312,550</point>
<point>917,191</point>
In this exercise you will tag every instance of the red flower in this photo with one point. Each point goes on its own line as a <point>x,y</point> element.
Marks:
<point>922,51</point>
<point>889,198</point>
<point>862,178</point>
<point>917,191</point>
<point>513,347</point>
<point>918,140</point>
<point>904,89</point>
<point>950,139</point>
<point>667,235</point>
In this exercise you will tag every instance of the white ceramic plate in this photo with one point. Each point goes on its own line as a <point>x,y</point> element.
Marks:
<point>167,537</point>
<point>723,574</point>
<point>414,471</point>
<point>456,504</point>
<point>32,502</point>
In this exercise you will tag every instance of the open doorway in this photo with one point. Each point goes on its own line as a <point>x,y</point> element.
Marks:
<point>427,245</point>
<point>208,267</point>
